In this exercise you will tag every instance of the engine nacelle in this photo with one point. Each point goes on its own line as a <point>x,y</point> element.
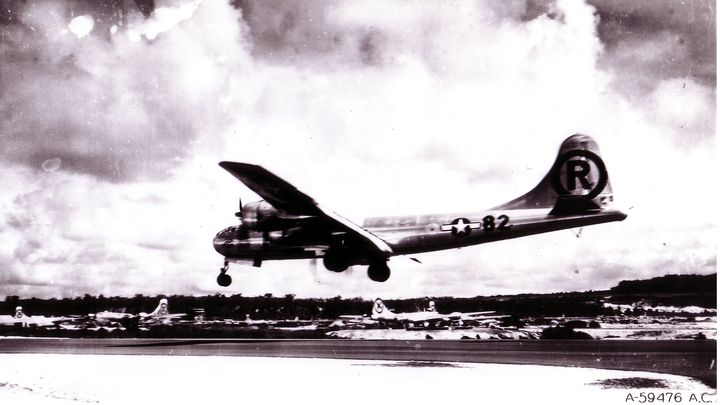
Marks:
<point>255,214</point>
<point>262,216</point>
<point>285,235</point>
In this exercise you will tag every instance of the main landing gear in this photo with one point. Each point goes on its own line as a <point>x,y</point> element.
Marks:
<point>336,260</point>
<point>379,271</point>
<point>339,259</point>
<point>224,279</point>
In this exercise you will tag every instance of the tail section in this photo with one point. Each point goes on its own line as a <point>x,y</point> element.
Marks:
<point>160,310</point>
<point>577,182</point>
<point>380,311</point>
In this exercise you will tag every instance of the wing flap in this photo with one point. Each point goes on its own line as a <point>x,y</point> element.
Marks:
<point>380,245</point>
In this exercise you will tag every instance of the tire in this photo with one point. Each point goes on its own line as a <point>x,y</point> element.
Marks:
<point>224,280</point>
<point>335,261</point>
<point>379,272</point>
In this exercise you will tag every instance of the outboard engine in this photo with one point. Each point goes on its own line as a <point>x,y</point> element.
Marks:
<point>262,216</point>
<point>240,209</point>
<point>258,216</point>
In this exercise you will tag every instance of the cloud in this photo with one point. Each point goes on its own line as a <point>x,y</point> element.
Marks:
<point>110,140</point>
<point>651,41</point>
<point>107,105</point>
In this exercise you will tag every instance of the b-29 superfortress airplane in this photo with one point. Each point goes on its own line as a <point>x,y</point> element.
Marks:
<point>381,313</point>
<point>159,315</point>
<point>288,224</point>
<point>20,319</point>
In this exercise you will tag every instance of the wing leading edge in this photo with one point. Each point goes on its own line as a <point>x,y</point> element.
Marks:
<point>284,196</point>
<point>278,192</point>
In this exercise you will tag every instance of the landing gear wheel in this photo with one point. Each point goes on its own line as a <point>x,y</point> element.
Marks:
<point>224,279</point>
<point>379,272</point>
<point>335,261</point>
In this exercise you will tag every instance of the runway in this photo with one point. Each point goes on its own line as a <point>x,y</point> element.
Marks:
<point>687,358</point>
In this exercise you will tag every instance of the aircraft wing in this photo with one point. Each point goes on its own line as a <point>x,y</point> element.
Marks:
<point>278,192</point>
<point>114,316</point>
<point>284,196</point>
<point>376,244</point>
<point>11,320</point>
<point>486,317</point>
<point>169,316</point>
<point>477,315</point>
<point>422,317</point>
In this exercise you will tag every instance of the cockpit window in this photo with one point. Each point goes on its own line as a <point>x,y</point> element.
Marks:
<point>226,230</point>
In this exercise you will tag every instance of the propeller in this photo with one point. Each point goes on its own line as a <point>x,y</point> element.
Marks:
<point>240,207</point>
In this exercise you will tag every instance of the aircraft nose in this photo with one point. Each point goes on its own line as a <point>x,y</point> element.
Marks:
<point>220,243</point>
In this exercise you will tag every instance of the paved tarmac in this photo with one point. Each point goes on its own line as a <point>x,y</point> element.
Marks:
<point>681,357</point>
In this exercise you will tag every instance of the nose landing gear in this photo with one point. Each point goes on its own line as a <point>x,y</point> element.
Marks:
<point>224,279</point>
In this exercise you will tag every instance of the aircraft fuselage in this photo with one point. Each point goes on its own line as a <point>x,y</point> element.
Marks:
<point>409,234</point>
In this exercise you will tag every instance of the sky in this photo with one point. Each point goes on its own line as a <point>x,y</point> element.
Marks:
<point>110,137</point>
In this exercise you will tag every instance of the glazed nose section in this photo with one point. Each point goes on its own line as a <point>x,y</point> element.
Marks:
<point>223,240</point>
<point>219,244</point>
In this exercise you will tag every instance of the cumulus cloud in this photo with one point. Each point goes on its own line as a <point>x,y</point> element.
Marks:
<point>654,40</point>
<point>112,106</point>
<point>110,137</point>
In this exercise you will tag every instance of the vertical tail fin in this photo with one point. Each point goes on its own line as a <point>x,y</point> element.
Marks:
<point>577,182</point>
<point>162,308</point>
<point>380,310</point>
